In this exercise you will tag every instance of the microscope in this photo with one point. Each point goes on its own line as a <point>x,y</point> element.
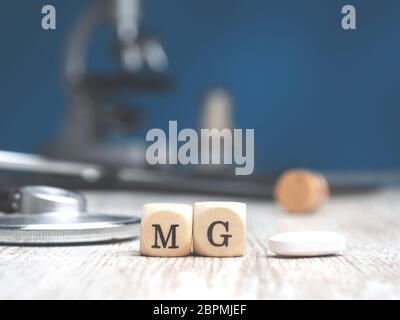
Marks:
<point>102,115</point>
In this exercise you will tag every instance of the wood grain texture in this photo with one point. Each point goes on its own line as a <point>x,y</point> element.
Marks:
<point>369,269</point>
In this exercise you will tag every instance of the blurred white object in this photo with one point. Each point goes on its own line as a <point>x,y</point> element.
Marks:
<point>307,243</point>
<point>217,113</point>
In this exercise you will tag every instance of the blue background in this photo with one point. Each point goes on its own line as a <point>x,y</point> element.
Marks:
<point>316,95</point>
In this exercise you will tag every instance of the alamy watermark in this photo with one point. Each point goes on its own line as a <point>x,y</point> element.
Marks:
<point>212,146</point>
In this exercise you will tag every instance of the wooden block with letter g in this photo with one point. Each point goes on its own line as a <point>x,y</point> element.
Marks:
<point>219,229</point>
<point>166,230</point>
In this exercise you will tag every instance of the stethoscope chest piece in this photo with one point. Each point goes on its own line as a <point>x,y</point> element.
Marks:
<point>41,199</point>
<point>48,215</point>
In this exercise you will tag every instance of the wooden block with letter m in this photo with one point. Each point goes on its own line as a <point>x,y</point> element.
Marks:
<point>166,230</point>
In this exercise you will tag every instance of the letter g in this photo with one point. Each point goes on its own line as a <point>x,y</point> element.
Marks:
<point>225,237</point>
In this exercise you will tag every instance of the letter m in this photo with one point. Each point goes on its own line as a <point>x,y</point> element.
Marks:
<point>164,241</point>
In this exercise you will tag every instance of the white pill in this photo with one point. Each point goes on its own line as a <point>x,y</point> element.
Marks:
<point>307,243</point>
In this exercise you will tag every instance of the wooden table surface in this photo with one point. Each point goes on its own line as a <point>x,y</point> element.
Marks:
<point>369,269</point>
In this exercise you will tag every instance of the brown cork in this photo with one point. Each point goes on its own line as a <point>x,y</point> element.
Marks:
<point>301,190</point>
